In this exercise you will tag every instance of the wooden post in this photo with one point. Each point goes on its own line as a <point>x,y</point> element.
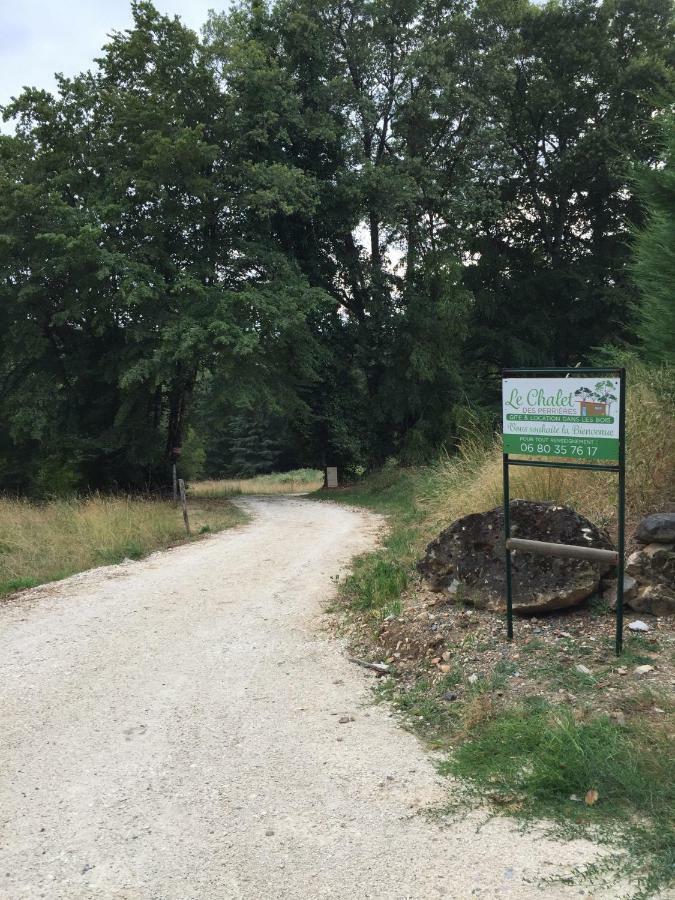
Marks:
<point>564,551</point>
<point>183,503</point>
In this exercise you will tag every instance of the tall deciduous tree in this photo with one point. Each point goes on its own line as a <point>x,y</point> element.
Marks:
<point>123,265</point>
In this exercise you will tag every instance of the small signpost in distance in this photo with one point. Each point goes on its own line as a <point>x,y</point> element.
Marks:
<point>578,417</point>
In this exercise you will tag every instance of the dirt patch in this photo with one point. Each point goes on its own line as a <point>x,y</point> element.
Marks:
<point>566,657</point>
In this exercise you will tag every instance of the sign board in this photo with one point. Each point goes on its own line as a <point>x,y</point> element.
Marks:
<point>575,413</point>
<point>331,477</point>
<point>575,417</point>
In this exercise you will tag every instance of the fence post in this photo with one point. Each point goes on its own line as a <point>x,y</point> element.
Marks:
<point>183,503</point>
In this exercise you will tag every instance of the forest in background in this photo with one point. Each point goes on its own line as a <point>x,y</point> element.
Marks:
<point>317,232</point>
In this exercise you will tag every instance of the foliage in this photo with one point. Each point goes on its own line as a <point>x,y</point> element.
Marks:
<point>316,233</point>
<point>654,268</point>
<point>126,272</point>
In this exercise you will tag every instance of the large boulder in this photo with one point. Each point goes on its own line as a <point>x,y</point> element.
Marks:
<point>467,559</point>
<point>657,529</point>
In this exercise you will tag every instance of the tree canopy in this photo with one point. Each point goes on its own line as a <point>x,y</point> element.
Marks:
<point>315,233</point>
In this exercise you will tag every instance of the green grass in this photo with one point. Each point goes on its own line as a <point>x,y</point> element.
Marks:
<point>379,578</point>
<point>546,759</point>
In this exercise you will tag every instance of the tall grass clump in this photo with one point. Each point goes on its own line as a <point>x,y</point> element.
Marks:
<point>45,542</point>
<point>297,481</point>
<point>471,480</point>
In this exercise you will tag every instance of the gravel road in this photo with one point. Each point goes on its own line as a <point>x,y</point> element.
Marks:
<point>171,729</point>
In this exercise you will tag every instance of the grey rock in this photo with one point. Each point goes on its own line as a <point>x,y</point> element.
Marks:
<point>656,599</point>
<point>658,528</point>
<point>653,567</point>
<point>639,625</point>
<point>471,551</point>
<point>634,563</point>
<point>630,589</point>
<point>643,670</point>
<point>453,587</point>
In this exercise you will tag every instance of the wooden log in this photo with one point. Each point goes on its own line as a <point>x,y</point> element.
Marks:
<point>183,503</point>
<point>566,551</point>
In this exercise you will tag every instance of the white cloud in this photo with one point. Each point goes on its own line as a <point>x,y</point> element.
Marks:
<point>41,37</point>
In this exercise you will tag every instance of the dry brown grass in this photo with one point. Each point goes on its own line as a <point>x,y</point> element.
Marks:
<point>277,483</point>
<point>472,480</point>
<point>45,542</point>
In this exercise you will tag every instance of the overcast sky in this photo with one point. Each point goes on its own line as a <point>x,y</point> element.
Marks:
<point>40,37</point>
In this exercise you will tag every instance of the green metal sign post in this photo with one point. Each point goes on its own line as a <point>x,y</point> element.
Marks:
<point>565,414</point>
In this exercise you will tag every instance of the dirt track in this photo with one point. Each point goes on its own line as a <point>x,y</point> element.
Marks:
<point>171,729</point>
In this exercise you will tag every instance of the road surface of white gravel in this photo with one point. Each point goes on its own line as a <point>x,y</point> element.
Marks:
<point>171,729</point>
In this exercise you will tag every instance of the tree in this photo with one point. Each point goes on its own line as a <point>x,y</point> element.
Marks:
<point>574,108</point>
<point>654,260</point>
<point>341,78</point>
<point>326,225</point>
<point>125,272</point>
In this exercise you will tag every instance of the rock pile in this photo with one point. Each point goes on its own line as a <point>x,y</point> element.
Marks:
<point>652,567</point>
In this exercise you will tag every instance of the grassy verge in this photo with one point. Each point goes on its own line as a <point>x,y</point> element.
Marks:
<point>294,482</point>
<point>527,732</point>
<point>46,542</point>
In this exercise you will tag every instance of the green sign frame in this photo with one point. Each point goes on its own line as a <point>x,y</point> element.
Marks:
<point>566,414</point>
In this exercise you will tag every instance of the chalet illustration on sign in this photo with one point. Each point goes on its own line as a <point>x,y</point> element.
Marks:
<point>596,401</point>
<point>588,408</point>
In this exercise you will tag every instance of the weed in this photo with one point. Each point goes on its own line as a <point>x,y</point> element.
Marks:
<point>427,712</point>
<point>17,584</point>
<point>501,673</point>
<point>376,583</point>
